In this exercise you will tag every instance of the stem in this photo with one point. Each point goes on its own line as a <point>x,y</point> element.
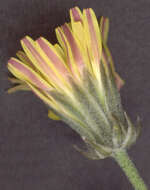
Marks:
<point>130,170</point>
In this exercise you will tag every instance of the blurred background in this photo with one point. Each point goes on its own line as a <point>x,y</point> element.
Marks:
<point>37,153</point>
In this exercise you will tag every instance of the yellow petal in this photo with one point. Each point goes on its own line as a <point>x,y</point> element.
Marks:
<point>93,39</point>
<point>104,27</point>
<point>27,74</point>
<point>31,50</point>
<point>52,115</point>
<point>23,87</point>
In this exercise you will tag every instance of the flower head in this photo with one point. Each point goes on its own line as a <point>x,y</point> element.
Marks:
<point>76,78</point>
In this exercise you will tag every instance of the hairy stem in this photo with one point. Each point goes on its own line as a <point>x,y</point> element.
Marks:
<point>130,170</point>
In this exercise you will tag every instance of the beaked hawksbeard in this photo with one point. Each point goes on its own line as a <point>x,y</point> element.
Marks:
<point>76,78</point>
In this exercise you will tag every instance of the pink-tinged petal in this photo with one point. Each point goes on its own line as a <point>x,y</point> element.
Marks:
<point>92,40</point>
<point>53,56</point>
<point>74,47</point>
<point>77,24</point>
<point>119,81</point>
<point>29,47</point>
<point>76,14</point>
<point>63,43</point>
<point>23,72</point>
<point>93,37</point>
<point>94,34</point>
<point>24,58</point>
<point>104,26</point>
<point>106,62</point>
<point>106,54</point>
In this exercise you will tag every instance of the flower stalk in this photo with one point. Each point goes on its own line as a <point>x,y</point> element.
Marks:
<point>130,170</point>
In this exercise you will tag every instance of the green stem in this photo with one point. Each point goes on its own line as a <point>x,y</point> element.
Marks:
<point>130,170</point>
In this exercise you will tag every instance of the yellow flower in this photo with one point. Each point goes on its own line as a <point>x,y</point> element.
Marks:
<point>77,80</point>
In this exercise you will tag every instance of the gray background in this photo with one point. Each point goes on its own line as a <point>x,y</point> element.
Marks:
<point>37,153</point>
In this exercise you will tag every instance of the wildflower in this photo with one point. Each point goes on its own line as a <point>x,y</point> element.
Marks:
<point>76,78</point>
